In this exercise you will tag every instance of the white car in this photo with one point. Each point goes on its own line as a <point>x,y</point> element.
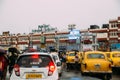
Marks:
<point>35,66</point>
<point>58,63</point>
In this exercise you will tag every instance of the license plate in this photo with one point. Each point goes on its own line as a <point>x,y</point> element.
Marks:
<point>33,76</point>
<point>97,67</point>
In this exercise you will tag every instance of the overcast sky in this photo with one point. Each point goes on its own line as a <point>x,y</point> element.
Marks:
<point>21,16</point>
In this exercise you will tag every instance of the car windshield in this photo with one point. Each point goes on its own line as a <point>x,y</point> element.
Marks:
<point>95,56</point>
<point>34,61</point>
<point>43,50</point>
<point>72,54</point>
<point>116,55</point>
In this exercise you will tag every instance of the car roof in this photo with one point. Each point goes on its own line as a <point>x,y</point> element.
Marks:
<point>31,53</point>
<point>91,52</point>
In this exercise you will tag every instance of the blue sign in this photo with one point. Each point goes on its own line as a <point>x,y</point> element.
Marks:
<point>115,46</point>
<point>74,34</point>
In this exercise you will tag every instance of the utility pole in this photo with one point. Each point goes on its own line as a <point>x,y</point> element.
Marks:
<point>42,40</point>
<point>56,41</point>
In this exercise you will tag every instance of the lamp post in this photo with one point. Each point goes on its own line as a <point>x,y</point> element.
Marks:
<point>30,40</point>
<point>57,41</point>
<point>42,40</point>
<point>16,41</point>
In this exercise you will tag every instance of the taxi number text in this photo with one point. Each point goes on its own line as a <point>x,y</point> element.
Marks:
<point>31,76</point>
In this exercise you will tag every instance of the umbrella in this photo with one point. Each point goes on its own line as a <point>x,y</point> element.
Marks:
<point>2,51</point>
<point>13,50</point>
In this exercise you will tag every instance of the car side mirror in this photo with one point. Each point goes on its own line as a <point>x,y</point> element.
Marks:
<point>58,63</point>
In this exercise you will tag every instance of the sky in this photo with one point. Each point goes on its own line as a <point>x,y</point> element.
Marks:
<point>21,16</point>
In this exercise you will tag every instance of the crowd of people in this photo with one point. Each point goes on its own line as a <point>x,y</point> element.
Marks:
<point>7,61</point>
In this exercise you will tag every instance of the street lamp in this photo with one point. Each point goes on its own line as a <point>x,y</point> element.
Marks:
<point>30,40</point>
<point>42,40</point>
<point>56,41</point>
<point>11,39</point>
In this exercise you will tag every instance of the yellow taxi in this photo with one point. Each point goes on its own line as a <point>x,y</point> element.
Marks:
<point>70,58</point>
<point>96,62</point>
<point>114,56</point>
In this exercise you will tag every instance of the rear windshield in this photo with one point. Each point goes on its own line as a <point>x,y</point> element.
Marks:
<point>72,54</point>
<point>116,55</point>
<point>34,61</point>
<point>96,55</point>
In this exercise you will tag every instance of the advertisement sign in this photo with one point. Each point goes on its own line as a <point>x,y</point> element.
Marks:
<point>74,34</point>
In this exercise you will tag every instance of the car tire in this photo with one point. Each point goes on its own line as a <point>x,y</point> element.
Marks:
<point>60,74</point>
<point>0,77</point>
<point>82,73</point>
<point>106,77</point>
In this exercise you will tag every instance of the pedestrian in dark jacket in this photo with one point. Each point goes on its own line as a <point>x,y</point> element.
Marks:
<point>12,60</point>
<point>63,60</point>
<point>76,61</point>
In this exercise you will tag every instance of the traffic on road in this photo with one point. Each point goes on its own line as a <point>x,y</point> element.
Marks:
<point>35,65</point>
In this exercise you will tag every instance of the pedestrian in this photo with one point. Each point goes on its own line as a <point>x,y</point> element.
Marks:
<point>76,59</point>
<point>3,64</point>
<point>12,59</point>
<point>63,60</point>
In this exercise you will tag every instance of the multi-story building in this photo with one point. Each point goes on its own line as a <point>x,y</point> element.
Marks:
<point>106,35</point>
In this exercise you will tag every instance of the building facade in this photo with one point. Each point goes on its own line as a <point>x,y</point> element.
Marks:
<point>107,35</point>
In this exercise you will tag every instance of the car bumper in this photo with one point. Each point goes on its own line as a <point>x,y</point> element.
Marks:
<point>102,72</point>
<point>17,78</point>
<point>53,77</point>
<point>115,66</point>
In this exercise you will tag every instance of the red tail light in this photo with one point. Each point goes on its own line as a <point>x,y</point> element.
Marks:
<point>35,56</point>
<point>17,69</point>
<point>1,66</point>
<point>110,66</point>
<point>51,68</point>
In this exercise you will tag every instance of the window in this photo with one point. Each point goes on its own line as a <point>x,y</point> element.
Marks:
<point>95,55</point>
<point>113,33</point>
<point>72,54</point>
<point>116,55</point>
<point>32,61</point>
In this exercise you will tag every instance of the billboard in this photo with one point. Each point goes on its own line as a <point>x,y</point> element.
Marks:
<point>74,34</point>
